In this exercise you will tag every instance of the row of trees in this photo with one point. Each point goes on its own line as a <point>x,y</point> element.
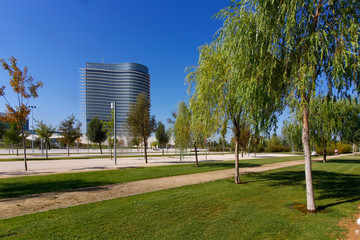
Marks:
<point>331,121</point>
<point>271,54</point>
<point>139,125</point>
<point>69,128</point>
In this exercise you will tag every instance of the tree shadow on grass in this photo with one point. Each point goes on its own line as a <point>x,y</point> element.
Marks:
<point>337,188</point>
<point>351,161</point>
<point>228,164</point>
<point>8,190</point>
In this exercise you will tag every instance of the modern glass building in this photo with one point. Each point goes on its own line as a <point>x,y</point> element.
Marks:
<point>103,83</point>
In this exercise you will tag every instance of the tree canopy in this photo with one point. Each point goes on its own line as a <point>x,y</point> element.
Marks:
<point>95,132</point>
<point>45,132</point>
<point>25,88</point>
<point>271,53</point>
<point>162,136</point>
<point>139,122</point>
<point>70,129</point>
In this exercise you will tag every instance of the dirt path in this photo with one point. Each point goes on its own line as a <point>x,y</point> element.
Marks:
<point>11,207</point>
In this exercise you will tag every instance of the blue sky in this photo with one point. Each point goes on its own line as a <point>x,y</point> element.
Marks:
<point>56,38</point>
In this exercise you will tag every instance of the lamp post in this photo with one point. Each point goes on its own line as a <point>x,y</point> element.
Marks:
<point>32,127</point>
<point>113,107</point>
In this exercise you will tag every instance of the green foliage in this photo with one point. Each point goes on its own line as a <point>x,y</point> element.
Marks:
<point>349,114</point>
<point>108,127</point>
<point>330,150</point>
<point>292,133</point>
<point>139,122</point>
<point>260,209</point>
<point>13,134</point>
<point>95,132</point>
<point>70,130</point>
<point>182,126</point>
<point>45,132</point>
<point>323,120</point>
<point>162,136</point>
<point>287,49</point>
<point>274,144</point>
<point>25,88</point>
<point>2,130</point>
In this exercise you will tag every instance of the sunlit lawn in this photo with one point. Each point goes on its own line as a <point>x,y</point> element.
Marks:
<point>11,187</point>
<point>263,208</point>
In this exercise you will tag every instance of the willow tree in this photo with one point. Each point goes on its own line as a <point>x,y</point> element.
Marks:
<point>350,122</point>
<point>25,88</point>
<point>309,42</point>
<point>324,122</point>
<point>230,83</point>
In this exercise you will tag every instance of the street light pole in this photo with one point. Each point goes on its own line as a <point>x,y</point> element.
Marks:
<point>113,107</point>
<point>32,127</point>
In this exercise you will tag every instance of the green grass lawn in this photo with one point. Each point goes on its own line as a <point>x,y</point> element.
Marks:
<point>12,187</point>
<point>263,208</point>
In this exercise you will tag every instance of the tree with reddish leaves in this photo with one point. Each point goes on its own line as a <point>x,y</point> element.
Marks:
<point>25,88</point>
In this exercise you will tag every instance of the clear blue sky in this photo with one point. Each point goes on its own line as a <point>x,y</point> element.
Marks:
<point>56,38</point>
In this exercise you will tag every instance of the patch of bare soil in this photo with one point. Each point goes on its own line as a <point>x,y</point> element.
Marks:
<point>352,227</point>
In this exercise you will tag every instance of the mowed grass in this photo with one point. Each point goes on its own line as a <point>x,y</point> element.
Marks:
<point>266,207</point>
<point>12,187</point>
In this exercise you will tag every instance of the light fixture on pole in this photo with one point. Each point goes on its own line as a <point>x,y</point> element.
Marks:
<point>32,127</point>
<point>113,107</point>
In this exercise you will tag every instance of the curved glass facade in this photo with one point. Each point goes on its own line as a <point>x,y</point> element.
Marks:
<point>103,83</point>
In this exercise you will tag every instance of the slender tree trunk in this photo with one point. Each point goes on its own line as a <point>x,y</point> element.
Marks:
<point>308,169</point>
<point>354,149</point>
<point>324,155</point>
<point>242,153</point>
<point>68,149</point>
<point>17,150</point>
<point>163,150</point>
<point>145,151</point>
<point>24,146</point>
<point>100,148</point>
<point>196,156</point>
<point>46,146</point>
<point>111,152</point>
<point>237,172</point>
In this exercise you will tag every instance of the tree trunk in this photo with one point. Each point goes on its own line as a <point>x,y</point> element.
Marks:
<point>242,153</point>
<point>111,152</point>
<point>324,155</point>
<point>100,148</point>
<point>163,150</point>
<point>237,172</point>
<point>17,150</point>
<point>46,146</point>
<point>24,146</point>
<point>145,151</point>
<point>196,156</point>
<point>68,149</point>
<point>354,149</point>
<point>308,170</point>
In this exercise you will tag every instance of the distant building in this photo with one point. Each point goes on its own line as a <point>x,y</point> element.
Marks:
<point>103,83</point>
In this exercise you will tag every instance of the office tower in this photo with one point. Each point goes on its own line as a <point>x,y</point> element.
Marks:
<point>103,83</point>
